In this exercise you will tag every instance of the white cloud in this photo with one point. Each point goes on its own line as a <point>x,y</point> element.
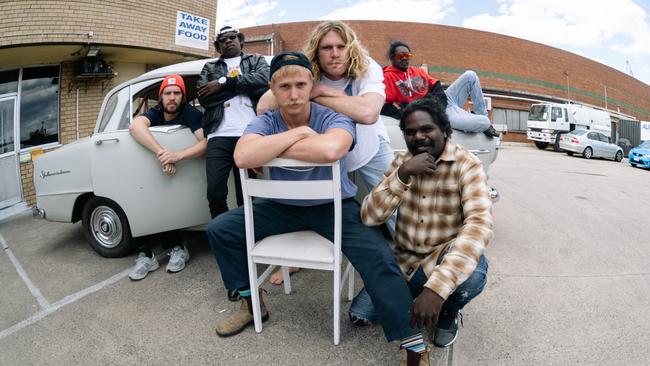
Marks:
<point>578,24</point>
<point>242,13</point>
<point>432,11</point>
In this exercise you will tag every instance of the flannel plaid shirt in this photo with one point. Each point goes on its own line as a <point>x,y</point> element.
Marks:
<point>444,221</point>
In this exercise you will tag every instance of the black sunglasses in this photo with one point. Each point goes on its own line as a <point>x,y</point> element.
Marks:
<point>225,38</point>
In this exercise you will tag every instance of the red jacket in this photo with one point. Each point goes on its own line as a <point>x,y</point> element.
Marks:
<point>406,86</point>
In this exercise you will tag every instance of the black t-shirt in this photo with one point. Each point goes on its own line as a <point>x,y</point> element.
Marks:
<point>189,116</point>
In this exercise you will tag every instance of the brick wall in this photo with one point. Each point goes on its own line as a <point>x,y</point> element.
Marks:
<point>142,23</point>
<point>29,194</point>
<point>503,62</point>
<point>91,95</point>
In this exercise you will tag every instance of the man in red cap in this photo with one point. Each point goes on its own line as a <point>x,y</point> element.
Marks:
<point>172,109</point>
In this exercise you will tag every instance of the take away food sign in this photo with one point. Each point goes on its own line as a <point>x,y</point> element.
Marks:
<point>192,30</point>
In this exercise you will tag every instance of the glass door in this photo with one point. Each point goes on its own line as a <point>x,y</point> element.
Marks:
<point>10,190</point>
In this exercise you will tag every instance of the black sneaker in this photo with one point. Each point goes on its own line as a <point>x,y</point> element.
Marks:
<point>233,295</point>
<point>447,328</point>
<point>491,132</point>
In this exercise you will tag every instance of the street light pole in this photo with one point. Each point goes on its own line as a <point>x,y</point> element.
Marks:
<point>568,94</point>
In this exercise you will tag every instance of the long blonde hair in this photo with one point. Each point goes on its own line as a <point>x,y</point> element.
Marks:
<point>357,54</point>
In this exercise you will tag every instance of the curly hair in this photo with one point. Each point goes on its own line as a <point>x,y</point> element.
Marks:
<point>433,108</point>
<point>393,46</point>
<point>357,54</point>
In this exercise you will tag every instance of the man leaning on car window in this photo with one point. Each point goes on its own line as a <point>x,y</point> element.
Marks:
<point>172,109</point>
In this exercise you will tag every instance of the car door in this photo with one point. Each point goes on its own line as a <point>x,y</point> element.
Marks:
<point>609,149</point>
<point>594,142</point>
<point>126,172</point>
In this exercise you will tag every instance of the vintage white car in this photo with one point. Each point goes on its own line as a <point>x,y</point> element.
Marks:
<point>116,187</point>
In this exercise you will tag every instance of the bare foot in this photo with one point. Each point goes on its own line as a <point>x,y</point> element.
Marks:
<point>277,278</point>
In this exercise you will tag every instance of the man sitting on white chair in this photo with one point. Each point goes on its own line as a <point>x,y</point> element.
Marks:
<point>307,131</point>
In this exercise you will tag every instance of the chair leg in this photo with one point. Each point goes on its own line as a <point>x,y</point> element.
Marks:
<point>286,280</point>
<point>337,304</point>
<point>350,282</point>
<point>255,295</point>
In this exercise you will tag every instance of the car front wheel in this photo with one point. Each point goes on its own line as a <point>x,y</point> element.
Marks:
<point>541,145</point>
<point>106,228</point>
<point>588,153</point>
<point>619,156</point>
<point>570,153</point>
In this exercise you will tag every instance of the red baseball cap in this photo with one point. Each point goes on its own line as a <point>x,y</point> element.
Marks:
<point>172,80</point>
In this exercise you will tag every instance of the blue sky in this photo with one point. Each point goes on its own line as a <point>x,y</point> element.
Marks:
<point>610,32</point>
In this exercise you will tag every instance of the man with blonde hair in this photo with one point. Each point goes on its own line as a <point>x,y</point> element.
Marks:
<point>351,83</point>
<point>303,130</point>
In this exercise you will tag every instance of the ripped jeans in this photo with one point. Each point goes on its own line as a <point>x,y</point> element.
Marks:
<point>362,307</point>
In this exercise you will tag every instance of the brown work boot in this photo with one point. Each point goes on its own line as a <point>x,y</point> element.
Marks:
<point>425,359</point>
<point>238,321</point>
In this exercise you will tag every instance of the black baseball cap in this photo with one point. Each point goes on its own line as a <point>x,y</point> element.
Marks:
<point>289,58</point>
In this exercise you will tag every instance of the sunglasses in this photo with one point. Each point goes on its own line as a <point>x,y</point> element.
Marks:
<point>226,38</point>
<point>403,55</point>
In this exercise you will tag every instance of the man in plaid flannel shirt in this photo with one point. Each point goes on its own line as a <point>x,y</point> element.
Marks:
<point>444,220</point>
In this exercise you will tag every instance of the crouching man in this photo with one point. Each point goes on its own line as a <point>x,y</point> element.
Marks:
<point>444,220</point>
<point>307,131</point>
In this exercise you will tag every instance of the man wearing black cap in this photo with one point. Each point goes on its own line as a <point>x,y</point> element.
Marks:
<point>307,131</point>
<point>229,89</point>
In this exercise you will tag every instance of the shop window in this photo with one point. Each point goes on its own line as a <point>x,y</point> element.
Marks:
<point>8,81</point>
<point>39,106</point>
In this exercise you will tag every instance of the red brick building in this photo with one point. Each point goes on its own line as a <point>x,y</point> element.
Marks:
<point>514,72</point>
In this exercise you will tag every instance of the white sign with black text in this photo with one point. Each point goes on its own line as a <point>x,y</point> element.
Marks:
<point>645,131</point>
<point>192,31</point>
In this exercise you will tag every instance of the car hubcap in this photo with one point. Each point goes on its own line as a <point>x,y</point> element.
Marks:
<point>106,227</point>
<point>588,153</point>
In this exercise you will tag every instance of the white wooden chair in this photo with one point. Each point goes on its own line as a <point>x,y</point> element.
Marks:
<point>305,249</point>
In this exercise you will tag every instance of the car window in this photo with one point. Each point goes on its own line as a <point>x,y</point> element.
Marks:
<point>645,145</point>
<point>537,113</point>
<point>566,115</point>
<point>556,113</point>
<point>115,115</point>
<point>145,94</point>
<point>578,132</point>
<point>603,138</point>
<point>593,136</point>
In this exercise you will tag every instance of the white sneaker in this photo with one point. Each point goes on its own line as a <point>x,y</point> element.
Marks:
<point>143,265</point>
<point>177,259</point>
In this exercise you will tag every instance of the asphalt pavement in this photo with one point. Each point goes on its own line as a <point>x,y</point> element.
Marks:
<point>568,284</point>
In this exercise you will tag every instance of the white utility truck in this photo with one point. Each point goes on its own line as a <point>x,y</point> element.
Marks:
<point>547,121</point>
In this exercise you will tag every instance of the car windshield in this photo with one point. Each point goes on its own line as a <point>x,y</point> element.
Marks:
<point>537,113</point>
<point>578,132</point>
<point>645,145</point>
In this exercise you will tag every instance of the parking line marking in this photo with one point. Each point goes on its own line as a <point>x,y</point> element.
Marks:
<point>63,302</point>
<point>42,302</point>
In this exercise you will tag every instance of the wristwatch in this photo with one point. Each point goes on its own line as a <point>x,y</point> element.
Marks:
<point>222,80</point>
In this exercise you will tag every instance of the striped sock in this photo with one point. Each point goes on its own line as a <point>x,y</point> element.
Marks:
<point>245,293</point>
<point>414,343</point>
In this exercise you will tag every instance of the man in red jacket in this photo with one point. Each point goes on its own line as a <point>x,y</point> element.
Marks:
<point>405,84</point>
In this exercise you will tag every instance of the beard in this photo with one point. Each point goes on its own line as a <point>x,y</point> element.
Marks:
<point>170,108</point>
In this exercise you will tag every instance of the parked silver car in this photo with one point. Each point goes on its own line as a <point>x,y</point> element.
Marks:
<point>591,144</point>
<point>115,186</point>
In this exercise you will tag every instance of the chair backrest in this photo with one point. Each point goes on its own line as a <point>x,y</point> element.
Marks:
<point>293,189</point>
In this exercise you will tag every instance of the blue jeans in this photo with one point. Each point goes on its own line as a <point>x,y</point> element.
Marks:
<point>467,85</point>
<point>373,173</point>
<point>364,246</point>
<point>363,308</point>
